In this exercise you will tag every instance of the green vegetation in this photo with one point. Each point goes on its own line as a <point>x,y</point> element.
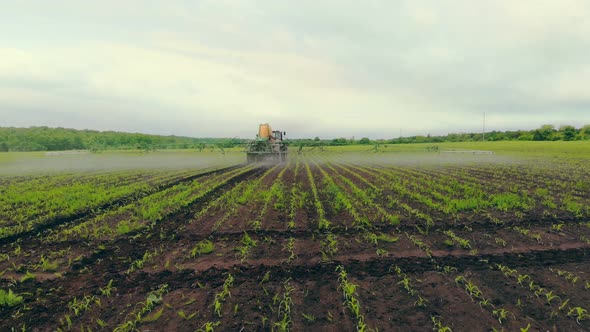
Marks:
<point>254,247</point>
<point>544,133</point>
<point>59,139</point>
<point>350,299</point>
<point>202,248</point>
<point>9,298</point>
<point>222,295</point>
<point>285,305</point>
<point>143,308</point>
<point>29,203</point>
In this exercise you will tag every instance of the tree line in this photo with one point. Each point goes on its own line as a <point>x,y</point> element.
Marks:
<point>59,139</point>
<point>544,133</point>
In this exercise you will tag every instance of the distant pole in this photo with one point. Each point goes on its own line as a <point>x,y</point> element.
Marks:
<point>483,133</point>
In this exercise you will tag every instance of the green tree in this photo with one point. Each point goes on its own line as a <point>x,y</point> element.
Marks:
<point>339,141</point>
<point>545,133</point>
<point>3,147</point>
<point>585,132</point>
<point>525,136</point>
<point>365,140</point>
<point>77,143</point>
<point>568,132</point>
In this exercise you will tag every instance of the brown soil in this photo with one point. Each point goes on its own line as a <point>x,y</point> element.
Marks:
<point>262,277</point>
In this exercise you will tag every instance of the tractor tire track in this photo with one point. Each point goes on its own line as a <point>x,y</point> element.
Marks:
<point>375,266</point>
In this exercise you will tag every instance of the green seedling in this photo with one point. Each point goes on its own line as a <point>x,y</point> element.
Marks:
<point>501,314</point>
<point>209,327</point>
<point>184,316</point>
<point>106,291</point>
<point>202,248</point>
<point>9,298</point>
<point>309,318</point>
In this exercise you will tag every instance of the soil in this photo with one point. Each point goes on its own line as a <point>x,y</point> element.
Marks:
<point>265,279</point>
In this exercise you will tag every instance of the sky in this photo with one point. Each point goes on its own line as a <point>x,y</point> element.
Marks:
<point>333,68</point>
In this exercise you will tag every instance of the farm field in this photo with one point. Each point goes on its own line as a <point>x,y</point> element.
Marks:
<point>334,240</point>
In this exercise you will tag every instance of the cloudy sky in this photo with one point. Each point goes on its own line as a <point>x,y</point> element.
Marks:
<point>337,68</point>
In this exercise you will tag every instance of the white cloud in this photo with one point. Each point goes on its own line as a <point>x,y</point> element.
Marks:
<point>330,68</point>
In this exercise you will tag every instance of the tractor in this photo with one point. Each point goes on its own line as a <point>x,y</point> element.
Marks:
<point>268,146</point>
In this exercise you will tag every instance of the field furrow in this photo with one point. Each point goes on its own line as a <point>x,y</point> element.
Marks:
<point>321,243</point>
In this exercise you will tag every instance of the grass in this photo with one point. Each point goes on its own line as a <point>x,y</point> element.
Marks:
<point>27,163</point>
<point>568,149</point>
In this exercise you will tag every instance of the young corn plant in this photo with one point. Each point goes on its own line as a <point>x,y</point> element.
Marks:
<point>106,290</point>
<point>186,316</point>
<point>202,248</point>
<point>463,243</point>
<point>275,191</point>
<point>78,306</point>
<point>329,245</point>
<point>148,256</point>
<point>557,227</point>
<point>501,314</point>
<point>381,252</point>
<point>535,236</point>
<point>340,200</point>
<point>578,313</point>
<point>309,318</point>
<point>404,280</point>
<point>418,243</point>
<point>9,298</point>
<point>406,283</point>
<point>500,242</point>
<point>549,296</point>
<point>540,292</point>
<point>285,304</point>
<point>438,325</point>
<point>289,247</point>
<point>473,291</point>
<point>221,296</point>
<point>134,318</point>
<point>209,326</point>
<point>323,223</point>
<point>296,201</point>
<point>47,265</point>
<point>566,275</point>
<point>508,272</point>
<point>350,300</point>
<point>244,250</point>
<point>365,198</point>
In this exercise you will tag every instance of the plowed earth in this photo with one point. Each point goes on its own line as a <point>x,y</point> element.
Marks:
<point>515,258</point>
